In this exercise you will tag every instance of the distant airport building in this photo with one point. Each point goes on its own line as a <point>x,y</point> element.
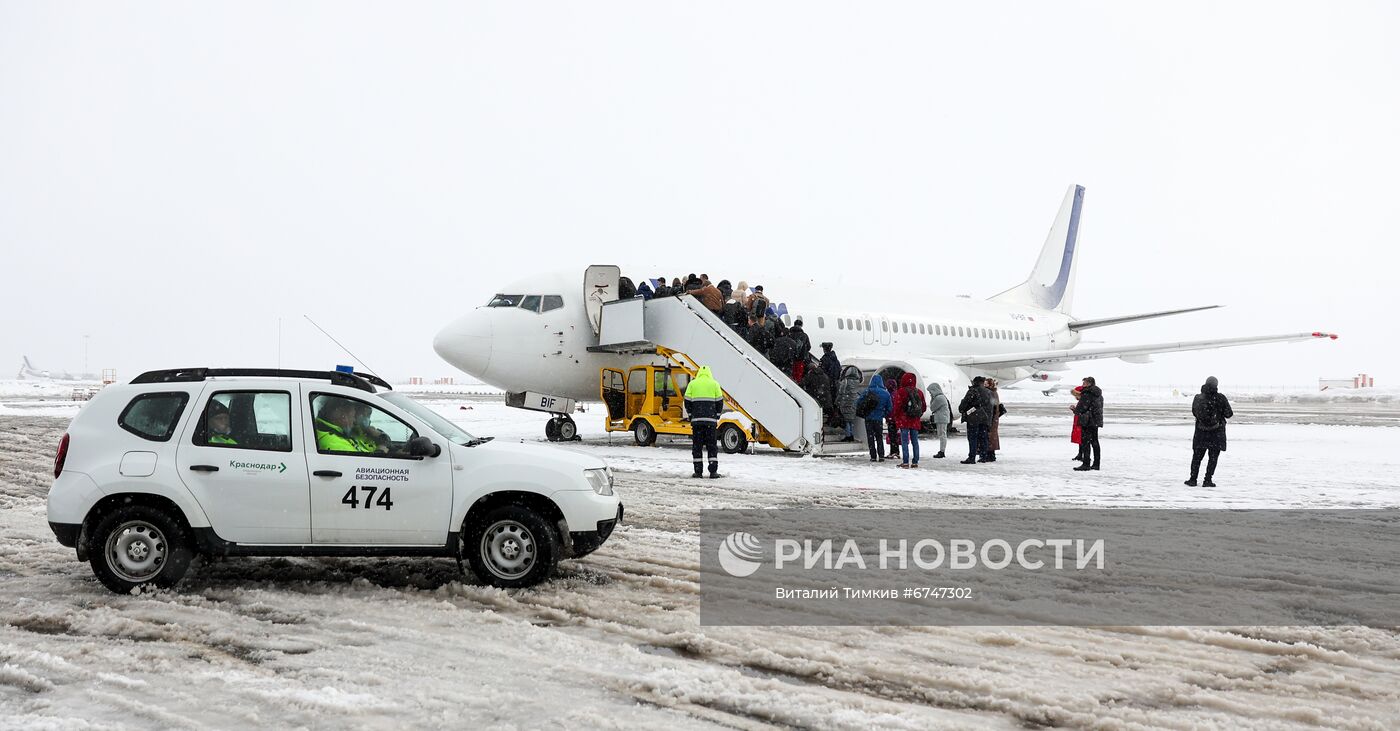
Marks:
<point>1361,380</point>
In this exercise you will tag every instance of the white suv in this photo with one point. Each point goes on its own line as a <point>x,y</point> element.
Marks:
<point>259,462</point>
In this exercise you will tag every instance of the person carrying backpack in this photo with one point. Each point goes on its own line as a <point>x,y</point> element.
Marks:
<point>873,406</point>
<point>909,408</point>
<point>1211,409</point>
<point>783,353</point>
<point>758,302</point>
<point>761,335</point>
<point>818,386</point>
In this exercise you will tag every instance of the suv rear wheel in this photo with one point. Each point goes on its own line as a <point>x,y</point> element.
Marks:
<point>138,545</point>
<point>513,546</point>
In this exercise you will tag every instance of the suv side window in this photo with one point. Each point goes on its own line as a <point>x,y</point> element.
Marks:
<point>153,416</point>
<point>349,426</point>
<point>247,420</point>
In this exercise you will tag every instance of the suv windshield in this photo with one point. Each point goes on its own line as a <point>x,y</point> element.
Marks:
<point>452,432</point>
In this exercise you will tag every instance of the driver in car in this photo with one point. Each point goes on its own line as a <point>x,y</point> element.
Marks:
<point>337,429</point>
<point>365,434</point>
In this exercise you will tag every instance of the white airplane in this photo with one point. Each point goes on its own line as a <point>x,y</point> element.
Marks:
<point>534,335</point>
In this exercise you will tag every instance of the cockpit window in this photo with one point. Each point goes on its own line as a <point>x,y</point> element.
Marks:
<point>531,302</point>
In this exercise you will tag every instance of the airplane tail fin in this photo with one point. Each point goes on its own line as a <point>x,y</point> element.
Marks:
<point>1050,285</point>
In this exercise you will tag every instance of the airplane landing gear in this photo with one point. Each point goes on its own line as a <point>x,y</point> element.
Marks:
<point>561,429</point>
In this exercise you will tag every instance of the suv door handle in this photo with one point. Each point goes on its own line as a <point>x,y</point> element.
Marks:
<point>204,468</point>
<point>326,473</point>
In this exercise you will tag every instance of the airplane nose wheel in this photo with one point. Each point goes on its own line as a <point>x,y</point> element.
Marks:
<point>561,429</point>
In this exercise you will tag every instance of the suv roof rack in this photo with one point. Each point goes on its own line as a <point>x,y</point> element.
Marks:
<point>362,381</point>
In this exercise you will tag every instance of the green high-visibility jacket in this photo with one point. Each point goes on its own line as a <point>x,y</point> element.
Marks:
<point>704,399</point>
<point>222,439</point>
<point>331,438</point>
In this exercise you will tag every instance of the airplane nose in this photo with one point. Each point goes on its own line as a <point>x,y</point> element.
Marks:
<point>466,343</point>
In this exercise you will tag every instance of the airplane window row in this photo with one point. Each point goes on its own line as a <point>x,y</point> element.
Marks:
<point>919,328</point>
<point>531,302</point>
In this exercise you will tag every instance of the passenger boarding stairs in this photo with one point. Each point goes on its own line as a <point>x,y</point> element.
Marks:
<point>684,325</point>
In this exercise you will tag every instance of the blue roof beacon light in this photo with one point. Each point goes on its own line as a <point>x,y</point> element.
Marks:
<point>344,369</point>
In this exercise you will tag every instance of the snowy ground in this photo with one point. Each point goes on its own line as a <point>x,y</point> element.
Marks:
<point>615,642</point>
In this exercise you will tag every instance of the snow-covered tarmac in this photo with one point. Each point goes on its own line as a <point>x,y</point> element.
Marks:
<point>615,642</point>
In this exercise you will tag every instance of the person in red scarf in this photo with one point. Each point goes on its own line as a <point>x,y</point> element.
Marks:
<point>1076,435</point>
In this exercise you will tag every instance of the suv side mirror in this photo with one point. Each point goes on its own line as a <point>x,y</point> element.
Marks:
<point>423,447</point>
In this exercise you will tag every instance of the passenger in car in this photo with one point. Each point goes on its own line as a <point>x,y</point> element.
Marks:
<point>219,425</point>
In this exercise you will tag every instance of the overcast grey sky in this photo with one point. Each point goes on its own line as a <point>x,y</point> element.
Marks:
<point>175,177</point>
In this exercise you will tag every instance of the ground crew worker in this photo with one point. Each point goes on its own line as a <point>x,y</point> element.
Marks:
<point>219,425</point>
<point>704,402</point>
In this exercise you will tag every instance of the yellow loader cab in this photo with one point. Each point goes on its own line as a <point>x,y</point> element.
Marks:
<point>648,401</point>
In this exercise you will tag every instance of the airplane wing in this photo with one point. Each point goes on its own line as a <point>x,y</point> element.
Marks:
<point>1129,353</point>
<point>1106,321</point>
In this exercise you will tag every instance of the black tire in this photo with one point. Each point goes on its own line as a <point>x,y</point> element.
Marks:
<point>568,430</point>
<point>512,546</point>
<point>643,433</point>
<point>732,439</point>
<point>139,545</point>
<point>551,430</point>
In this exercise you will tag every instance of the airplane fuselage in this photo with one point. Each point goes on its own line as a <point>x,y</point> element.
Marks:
<point>518,349</point>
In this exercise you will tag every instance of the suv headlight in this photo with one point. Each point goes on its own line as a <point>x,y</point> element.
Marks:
<point>601,479</point>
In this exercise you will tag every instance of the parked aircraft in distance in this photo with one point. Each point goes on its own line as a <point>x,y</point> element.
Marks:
<point>27,372</point>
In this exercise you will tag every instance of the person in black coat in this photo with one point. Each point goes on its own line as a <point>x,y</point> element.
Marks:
<point>804,342</point>
<point>976,410</point>
<point>740,324</point>
<point>818,386</point>
<point>761,335</point>
<point>1089,412</point>
<point>831,366</point>
<point>784,352</point>
<point>1211,409</point>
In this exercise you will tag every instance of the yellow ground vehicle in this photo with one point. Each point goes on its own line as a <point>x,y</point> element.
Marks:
<point>648,401</point>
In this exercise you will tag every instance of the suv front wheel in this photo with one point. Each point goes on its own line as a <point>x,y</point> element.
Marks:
<point>513,546</point>
<point>138,545</point>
